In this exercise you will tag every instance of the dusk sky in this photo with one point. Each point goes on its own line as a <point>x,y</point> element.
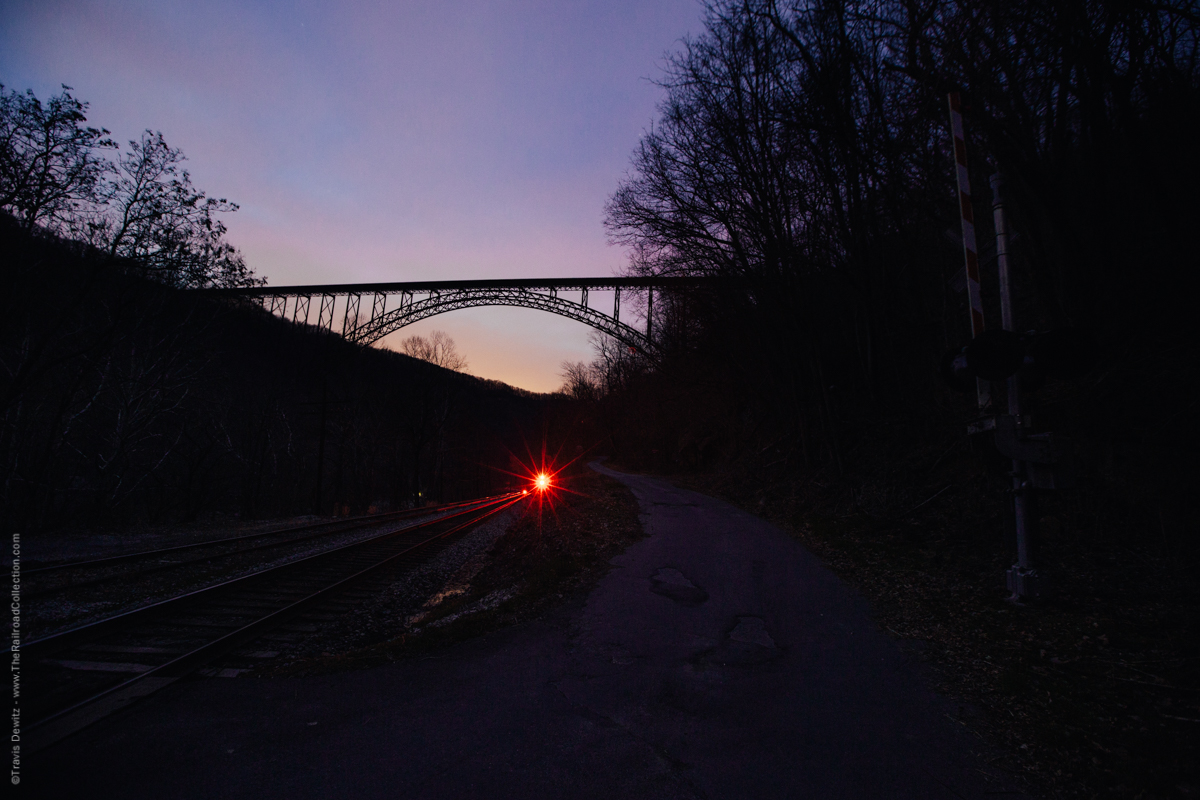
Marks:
<point>384,141</point>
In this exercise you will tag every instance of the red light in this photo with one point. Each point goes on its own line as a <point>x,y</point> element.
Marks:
<point>542,482</point>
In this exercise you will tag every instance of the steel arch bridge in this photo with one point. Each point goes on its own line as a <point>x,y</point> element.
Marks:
<point>391,306</point>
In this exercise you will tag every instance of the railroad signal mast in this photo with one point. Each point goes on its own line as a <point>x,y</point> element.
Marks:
<point>1000,355</point>
<point>1022,578</point>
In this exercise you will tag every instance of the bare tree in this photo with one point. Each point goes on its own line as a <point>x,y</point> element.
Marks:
<point>438,349</point>
<point>581,381</point>
<point>154,217</point>
<point>50,164</point>
<point>142,210</point>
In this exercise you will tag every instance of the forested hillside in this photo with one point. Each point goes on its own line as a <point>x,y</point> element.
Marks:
<point>803,150</point>
<point>126,400</point>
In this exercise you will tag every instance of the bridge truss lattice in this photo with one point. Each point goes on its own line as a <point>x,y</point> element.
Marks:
<point>366,312</point>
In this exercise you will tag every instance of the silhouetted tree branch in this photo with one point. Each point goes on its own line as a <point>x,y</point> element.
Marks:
<point>50,164</point>
<point>438,349</point>
<point>154,217</point>
<point>143,210</point>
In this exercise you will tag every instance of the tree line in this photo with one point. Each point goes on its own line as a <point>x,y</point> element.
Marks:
<point>802,148</point>
<point>137,207</point>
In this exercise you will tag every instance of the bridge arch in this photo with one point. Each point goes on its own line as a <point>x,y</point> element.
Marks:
<point>440,303</point>
<point>368,323</point>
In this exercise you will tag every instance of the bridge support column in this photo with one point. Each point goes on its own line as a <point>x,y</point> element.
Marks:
<point>650,315</point>
<point>325,316</point>
<point>300,312</point>
<point>350,317</point>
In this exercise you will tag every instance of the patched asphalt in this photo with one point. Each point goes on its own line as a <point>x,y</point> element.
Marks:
<point>718,659</point>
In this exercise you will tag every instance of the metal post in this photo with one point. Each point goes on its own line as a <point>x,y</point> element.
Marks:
<point>325,315</point>
<point>970,251</point>
<point>1006,305</point>
<point>617,304</point>
<point>650,314</point>
<point>350,320</point>
<point>321,448</point>
<point>300,312</point>
<point>1022,576</point>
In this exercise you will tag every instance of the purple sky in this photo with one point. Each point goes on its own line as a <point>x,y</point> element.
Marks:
<point>384,141</point>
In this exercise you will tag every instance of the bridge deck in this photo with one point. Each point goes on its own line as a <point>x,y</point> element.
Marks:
<point>533,284</point>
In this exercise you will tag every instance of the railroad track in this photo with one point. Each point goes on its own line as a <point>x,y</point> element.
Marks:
<point>58,578</point>
<point>83,674</point>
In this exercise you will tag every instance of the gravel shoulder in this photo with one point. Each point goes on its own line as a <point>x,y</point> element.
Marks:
<point>536,557</point>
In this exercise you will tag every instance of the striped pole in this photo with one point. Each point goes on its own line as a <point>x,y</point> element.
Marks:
<point>968,231</point>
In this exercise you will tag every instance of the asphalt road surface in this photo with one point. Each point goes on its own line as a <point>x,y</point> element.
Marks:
<point>718,659</point>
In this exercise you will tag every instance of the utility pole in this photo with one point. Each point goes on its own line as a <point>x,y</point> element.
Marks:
<point>321,447</point>
<point>1021,577</point>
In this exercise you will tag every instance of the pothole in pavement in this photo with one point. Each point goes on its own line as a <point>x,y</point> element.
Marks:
<point>672,583</point>
<point>747,644</point>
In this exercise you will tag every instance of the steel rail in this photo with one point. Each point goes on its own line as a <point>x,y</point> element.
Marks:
<point>56,642</point>
<point>350,522</point>
<point>83,713</point>
<point>150,570</point>
<point>345,526</point>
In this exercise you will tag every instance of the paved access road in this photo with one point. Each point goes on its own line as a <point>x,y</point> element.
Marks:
<point>718,659</point>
